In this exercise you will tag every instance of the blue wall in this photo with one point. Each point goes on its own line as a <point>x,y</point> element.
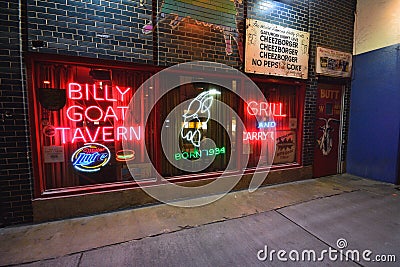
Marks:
<point>374,128</point>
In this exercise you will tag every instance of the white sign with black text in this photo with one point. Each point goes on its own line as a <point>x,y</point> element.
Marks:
<point>276,50</point>
<point>53,154</point>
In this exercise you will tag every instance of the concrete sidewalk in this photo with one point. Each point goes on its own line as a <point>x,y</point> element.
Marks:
<point>312,214</point>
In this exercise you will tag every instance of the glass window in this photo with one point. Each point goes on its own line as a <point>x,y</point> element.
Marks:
<point>280,129</point>
<point>80,114</point>
<point>199,135</point>
<point>79,125</point>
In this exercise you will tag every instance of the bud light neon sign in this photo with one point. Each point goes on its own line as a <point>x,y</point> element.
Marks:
<point>91,157</point>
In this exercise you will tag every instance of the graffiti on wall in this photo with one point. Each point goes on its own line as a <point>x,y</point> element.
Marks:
<point>219,15</point>
<point>325,141</point>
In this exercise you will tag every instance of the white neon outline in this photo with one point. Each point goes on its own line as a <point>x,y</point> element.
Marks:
<point>69,115</point>
<point>70,91</point>
<point>170,81</point>
<point>204,101</point>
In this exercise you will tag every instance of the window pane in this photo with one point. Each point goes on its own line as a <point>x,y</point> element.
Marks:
<point>282,103</point>
<point>200,135</point>
<point>80,114</point>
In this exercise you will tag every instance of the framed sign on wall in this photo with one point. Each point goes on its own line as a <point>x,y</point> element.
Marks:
<point>276,50</point>
<point>333,63</point>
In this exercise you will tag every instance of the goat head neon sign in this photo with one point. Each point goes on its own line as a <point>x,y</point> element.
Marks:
<point>198,108</point>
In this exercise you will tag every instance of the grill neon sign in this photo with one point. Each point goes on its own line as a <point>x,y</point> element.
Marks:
<point>255,108</point>
<point>91,157</point>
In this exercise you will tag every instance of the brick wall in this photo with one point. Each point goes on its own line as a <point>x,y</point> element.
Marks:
<point>15,171</point>
<point>294,15</point>
<point>191,40</point>
<point>330,24</point>
<point>99,29</point>
<point>123,30</point>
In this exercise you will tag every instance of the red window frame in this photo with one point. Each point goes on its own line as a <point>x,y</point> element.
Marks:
<point>40,190</point>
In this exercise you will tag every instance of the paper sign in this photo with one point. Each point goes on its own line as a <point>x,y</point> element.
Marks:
<point>333,63</point>
<point>285,147</point>
<point>53,154</point>
<point>275,50</point>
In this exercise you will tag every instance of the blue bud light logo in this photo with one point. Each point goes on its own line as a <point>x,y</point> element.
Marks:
<point>91,157</point>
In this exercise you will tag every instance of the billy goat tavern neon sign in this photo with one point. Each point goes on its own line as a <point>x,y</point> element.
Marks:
<point>91,157</point>
<point>111,109</point>
<point>199,107</point>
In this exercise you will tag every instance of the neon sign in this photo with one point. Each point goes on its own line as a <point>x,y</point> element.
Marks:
<point>258,136</point>
<point>265,109</point>
<point>100,113</point>
<point>125,155</point>
<point>90,91</point>
<point>91,157</point>
<point>95,113</point>
<point>200,153</point>
<point>199,107</point>
<point>105,134</point>
<point>266,124</point>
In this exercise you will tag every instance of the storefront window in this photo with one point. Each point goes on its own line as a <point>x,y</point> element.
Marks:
<point>79,118</point>
<point>203,134</point>
<point>82,140</point>
<point>274,120</point>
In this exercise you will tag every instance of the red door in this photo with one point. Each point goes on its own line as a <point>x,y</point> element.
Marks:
<point>327,126</point>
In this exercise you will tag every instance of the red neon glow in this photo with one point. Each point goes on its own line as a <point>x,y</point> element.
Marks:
<point>110,113</point>
<point>92,138</point>
<point>123,92</point>
<point>95,113</point>
<point>123,110</point>
<point>95,94</point>
<point>100,133</point>
<point>77,116</point>
<point>258,136</point>
<point>63,139</point>
<point>75,88</point>
<point>108,131</point>
<point>106,97</point>
<point>78,91</point>
<point>88,109</point>
<point>87,92</point>
<point>78,135</point>
<point>121,133</point>
<point>255,108</point>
